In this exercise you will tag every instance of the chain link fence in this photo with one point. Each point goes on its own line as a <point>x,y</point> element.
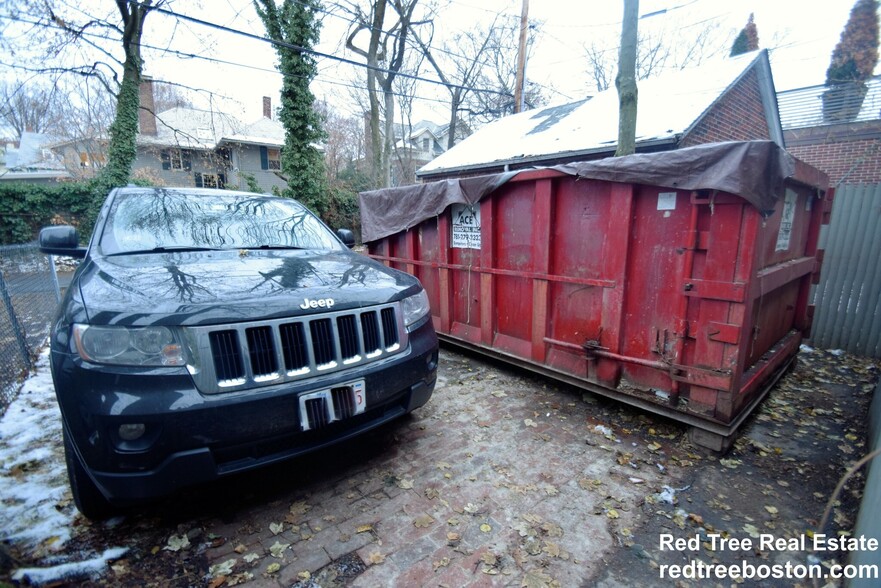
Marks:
<point>29,295</point>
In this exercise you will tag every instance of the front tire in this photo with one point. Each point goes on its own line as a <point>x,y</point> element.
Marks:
<point>88,498</point>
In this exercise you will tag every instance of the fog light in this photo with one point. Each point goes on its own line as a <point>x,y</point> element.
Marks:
<point>132,431</point>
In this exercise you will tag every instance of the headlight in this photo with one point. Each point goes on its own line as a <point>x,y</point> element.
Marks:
<point>147,346</point>
<point>415,307</point>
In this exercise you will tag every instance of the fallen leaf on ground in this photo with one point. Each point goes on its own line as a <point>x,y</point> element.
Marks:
<point>176,543</point>
<point>537,579</point>
<point>485,528</point>
<point>277,549</point>
<point>375,558</point>
<point>251,558</point>
<point>529,423</point>
<point>441,563</point>
<point>752,530</point>
<point>423,521</point>
<point>276,528</point>
<point>364,529</point>
<point>222,569</point>
<point>273,568</point>
<point>405,484</point>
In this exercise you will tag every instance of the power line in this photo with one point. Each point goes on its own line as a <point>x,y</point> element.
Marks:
<point>315,53</point>
<point>331,81</point>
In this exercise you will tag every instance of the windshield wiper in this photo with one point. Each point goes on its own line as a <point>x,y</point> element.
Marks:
<point>276,246</point>
<point>167,249</point>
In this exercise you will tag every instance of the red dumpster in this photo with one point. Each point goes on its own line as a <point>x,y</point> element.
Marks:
<point>677,282</point>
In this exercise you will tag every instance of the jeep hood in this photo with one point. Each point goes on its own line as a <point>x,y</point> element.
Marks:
<point>211,287</point>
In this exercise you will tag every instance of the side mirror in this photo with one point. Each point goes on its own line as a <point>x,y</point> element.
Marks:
<point>61,240</point>
<point>347,237</point>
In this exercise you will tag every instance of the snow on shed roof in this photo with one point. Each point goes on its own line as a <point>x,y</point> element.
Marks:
<point>669,105</point>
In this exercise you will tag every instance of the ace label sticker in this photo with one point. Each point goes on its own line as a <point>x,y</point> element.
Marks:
<point>466,226</point>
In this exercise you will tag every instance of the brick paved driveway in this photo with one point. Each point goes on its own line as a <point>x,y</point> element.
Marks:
<point>492,483</point>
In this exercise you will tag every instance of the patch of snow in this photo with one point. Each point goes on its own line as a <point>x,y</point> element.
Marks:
<point>36,508</point>
<point>602,430</point>
<point>837,352</point>
<point>668,495</point>
<point>69,571</point>
<point>805,348</point>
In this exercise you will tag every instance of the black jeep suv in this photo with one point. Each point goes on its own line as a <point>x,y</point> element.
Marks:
<point>209,332</point>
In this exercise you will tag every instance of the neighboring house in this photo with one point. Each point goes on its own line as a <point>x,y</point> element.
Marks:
<point>729,100</point>
<point>837,134</point>
<point>32,161</point>
<point>199,148</point>
<point>416,145</point>
<point>83,158</point>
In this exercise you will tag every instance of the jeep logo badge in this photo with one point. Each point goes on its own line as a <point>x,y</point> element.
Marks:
<point>320,303</point>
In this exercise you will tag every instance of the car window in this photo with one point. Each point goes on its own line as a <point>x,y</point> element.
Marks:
<point>157,219</point>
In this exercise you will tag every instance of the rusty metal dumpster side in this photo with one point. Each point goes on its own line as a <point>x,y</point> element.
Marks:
<point>688,303</point>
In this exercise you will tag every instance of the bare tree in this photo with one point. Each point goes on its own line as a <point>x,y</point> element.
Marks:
<point>467,58</point>
<point>384,54</point>
<point>30,106</point>
<point>344,145</point>
<point>657,51</point>
<point>87,115</point>
<point>499,74</point>
<point>83,39</point>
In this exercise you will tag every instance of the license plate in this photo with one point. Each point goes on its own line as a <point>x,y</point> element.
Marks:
<point>321,408</point>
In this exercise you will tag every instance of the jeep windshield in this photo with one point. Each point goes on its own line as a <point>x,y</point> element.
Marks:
<point>162,221</point>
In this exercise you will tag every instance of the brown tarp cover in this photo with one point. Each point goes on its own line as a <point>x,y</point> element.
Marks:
<point>754,170</point>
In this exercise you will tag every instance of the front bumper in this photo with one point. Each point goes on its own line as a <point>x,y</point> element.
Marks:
<point>193,438</point>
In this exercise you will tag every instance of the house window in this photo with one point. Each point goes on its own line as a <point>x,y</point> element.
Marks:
<point>274,158</point>
<point>176,159</point>
<point>270,158</point>
<point>95,160</point>
<point>209,180</point>
<point>425,144</point>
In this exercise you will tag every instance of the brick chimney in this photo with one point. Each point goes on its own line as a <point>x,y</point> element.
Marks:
<point>267,107</point>
<point>147,111</point>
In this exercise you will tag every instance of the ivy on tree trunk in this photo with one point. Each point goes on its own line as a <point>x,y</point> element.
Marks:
<point>294,24</point>
<point>122,148</point>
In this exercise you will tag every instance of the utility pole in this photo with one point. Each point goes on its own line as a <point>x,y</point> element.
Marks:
<point>519,98</point>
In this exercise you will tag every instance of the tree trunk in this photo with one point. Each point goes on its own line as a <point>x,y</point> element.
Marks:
<point>389,139</point>
<point>455,99</point>
<point>625,81</point>
<point>122,149</point>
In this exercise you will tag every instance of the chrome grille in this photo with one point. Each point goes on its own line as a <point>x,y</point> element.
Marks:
<point>261,353</point>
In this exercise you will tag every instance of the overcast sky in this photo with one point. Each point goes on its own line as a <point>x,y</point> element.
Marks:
<point>801,35</point>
